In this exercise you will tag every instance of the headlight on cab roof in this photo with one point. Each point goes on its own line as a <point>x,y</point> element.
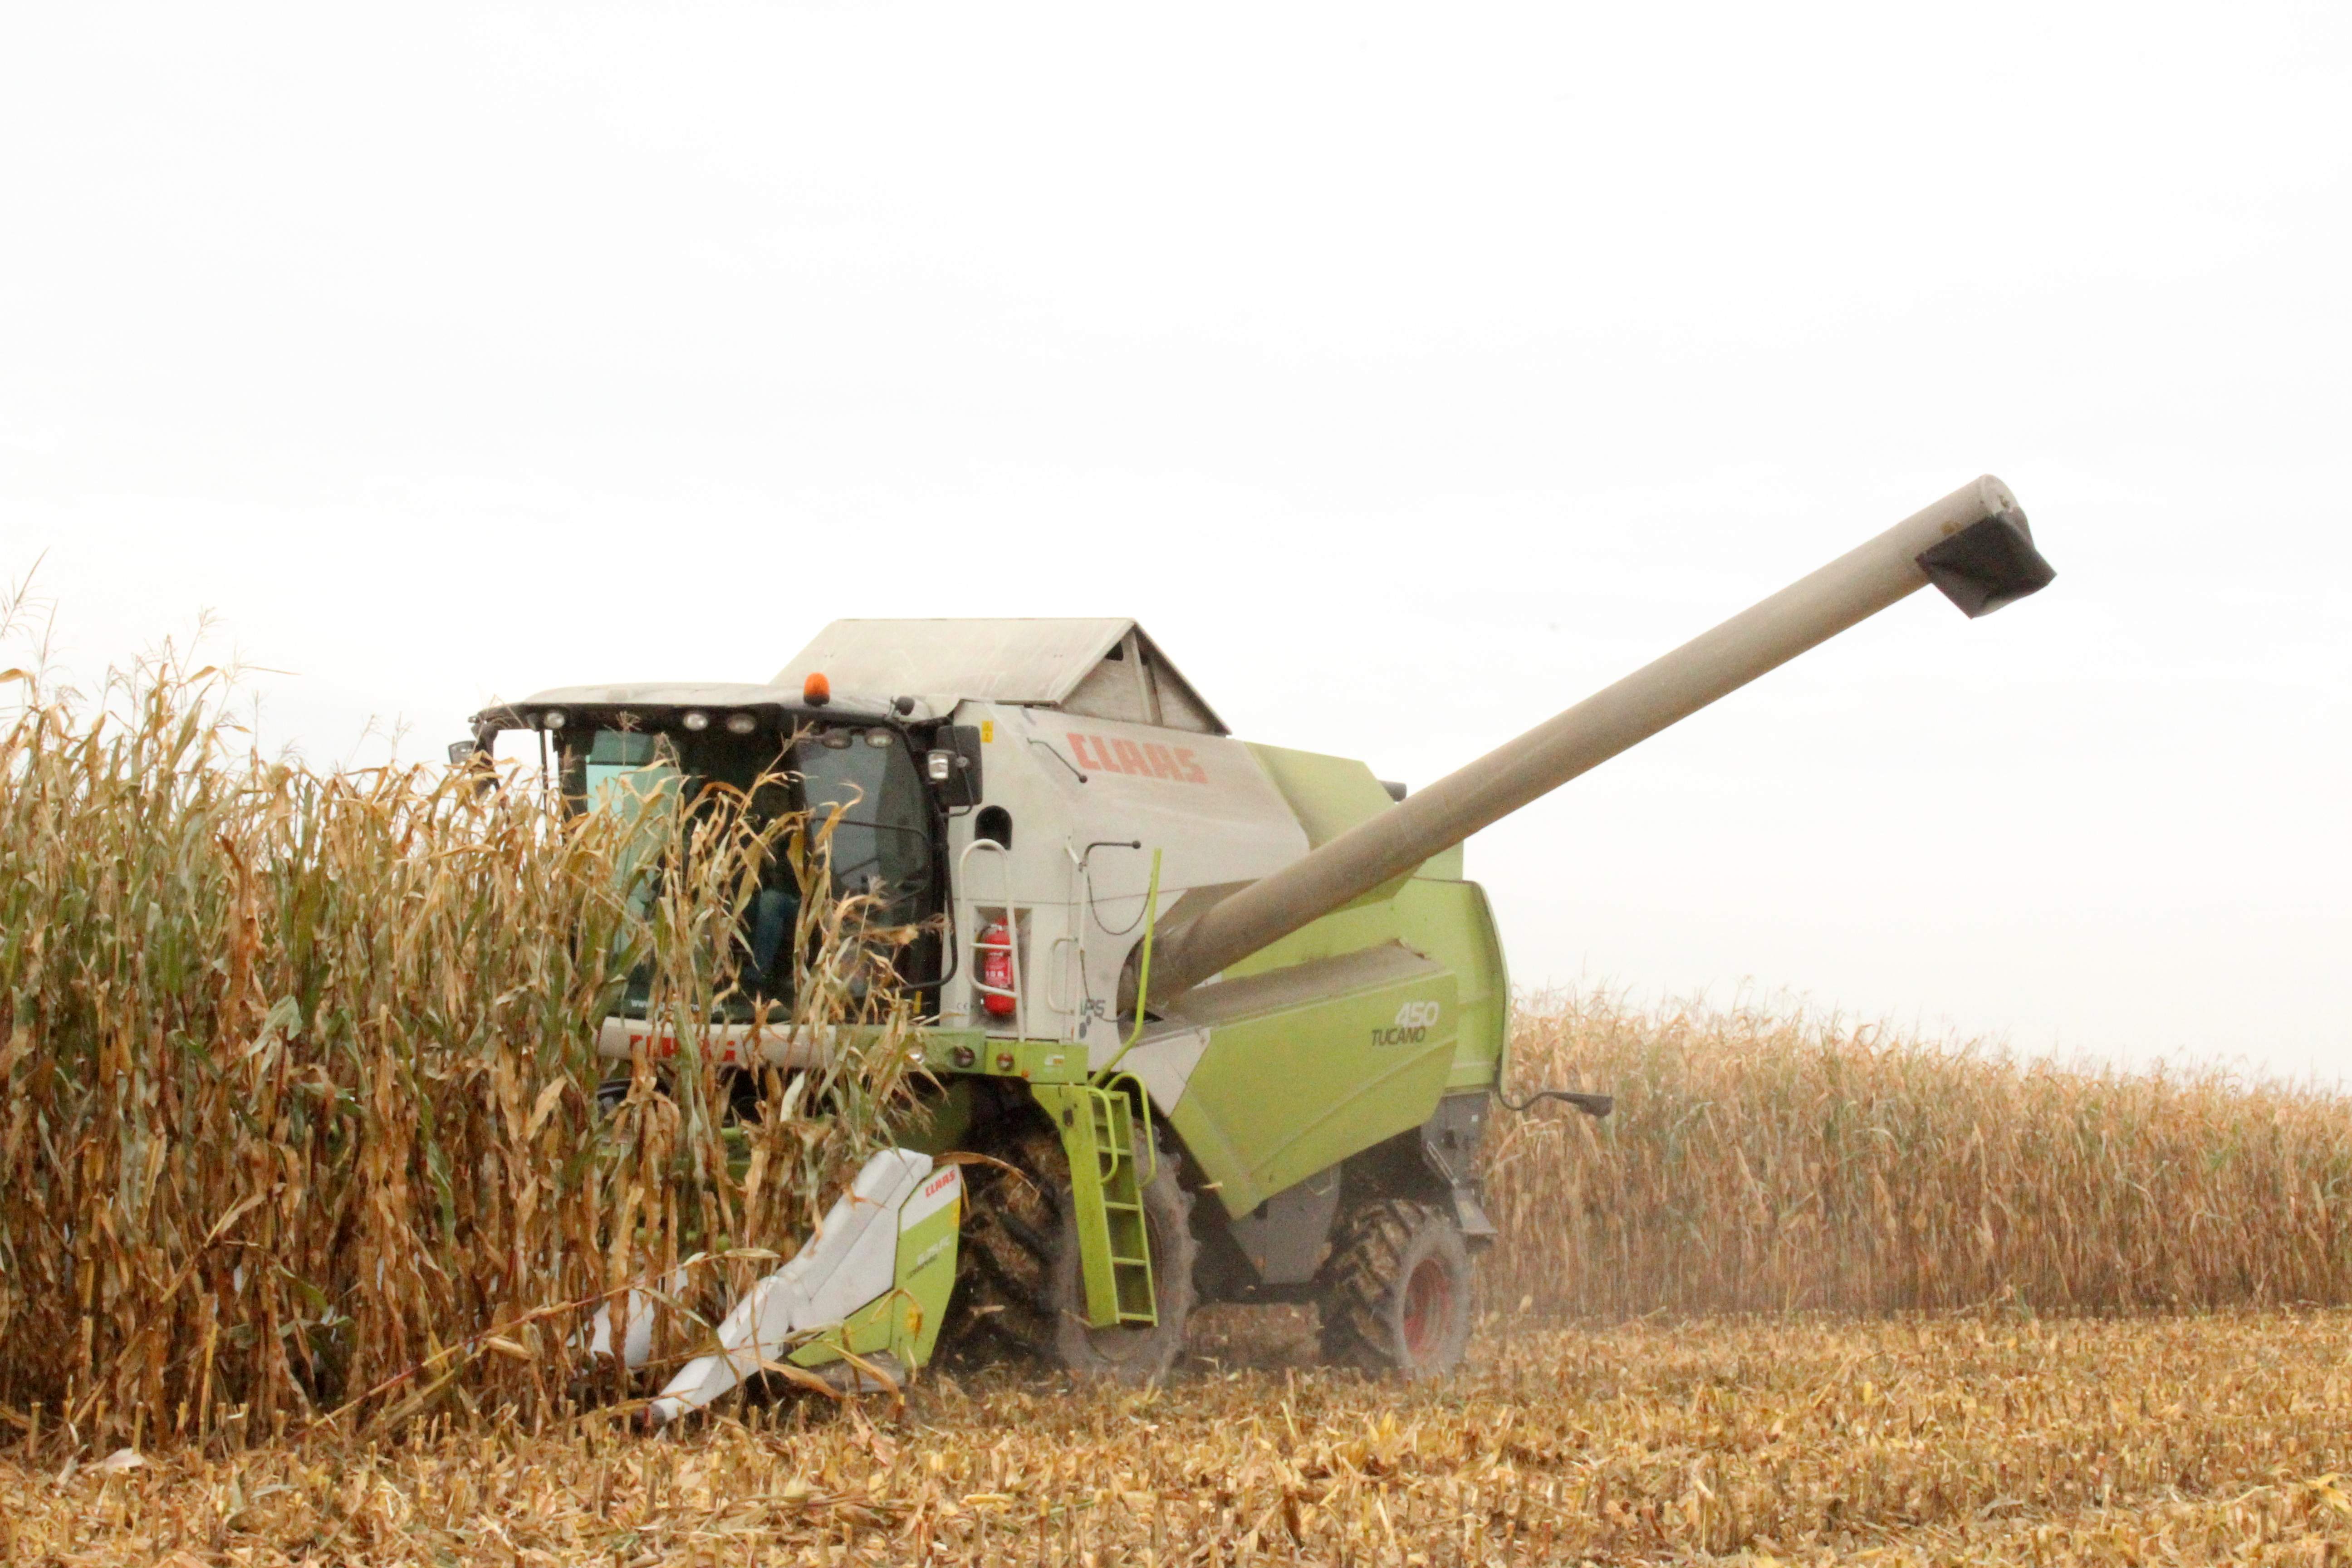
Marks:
<point>741,723</point>
<point>695,722</point>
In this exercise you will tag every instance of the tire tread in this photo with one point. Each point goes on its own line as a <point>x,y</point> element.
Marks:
<point>1362,1277</point>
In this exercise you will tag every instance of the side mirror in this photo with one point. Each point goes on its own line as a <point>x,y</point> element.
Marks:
<point>462,752</point>
<point>952,767</point>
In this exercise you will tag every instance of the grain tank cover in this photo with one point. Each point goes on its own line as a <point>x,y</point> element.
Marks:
<point>1102,669</point>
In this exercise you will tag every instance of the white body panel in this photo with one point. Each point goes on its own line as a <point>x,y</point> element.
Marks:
<point>1075,886</point>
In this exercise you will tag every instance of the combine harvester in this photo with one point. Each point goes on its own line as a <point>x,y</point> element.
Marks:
<point>1232,1010</point>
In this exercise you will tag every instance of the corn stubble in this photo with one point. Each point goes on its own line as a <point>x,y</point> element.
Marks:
<point>1991,1437</point>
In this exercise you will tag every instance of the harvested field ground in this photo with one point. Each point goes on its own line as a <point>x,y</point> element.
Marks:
<point>1948,1440</point>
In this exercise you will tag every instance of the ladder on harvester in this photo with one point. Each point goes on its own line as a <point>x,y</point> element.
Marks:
<point>1098,1134</point>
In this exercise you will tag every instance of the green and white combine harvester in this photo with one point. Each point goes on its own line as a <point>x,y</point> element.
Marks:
<point>1231,1011</point>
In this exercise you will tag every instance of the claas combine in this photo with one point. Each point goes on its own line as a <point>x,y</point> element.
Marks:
<point>1227,1020</point>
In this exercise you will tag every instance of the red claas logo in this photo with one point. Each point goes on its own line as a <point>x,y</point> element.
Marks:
<point>1145,760</point>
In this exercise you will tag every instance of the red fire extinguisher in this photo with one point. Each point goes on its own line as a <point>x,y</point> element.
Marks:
<point>994,946</point>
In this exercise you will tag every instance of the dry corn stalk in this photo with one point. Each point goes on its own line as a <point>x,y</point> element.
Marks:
<point>1763,1162</point>
<point>299,1079</point>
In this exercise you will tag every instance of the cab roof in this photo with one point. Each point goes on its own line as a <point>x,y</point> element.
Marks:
<point>1103,667</point>
<point>667,695</point>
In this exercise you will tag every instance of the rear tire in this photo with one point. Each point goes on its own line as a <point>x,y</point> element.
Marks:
<point>1019,1293</point>
<point>1396,1291</point>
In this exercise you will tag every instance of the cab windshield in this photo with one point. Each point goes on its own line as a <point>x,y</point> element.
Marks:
<point>882,845</point>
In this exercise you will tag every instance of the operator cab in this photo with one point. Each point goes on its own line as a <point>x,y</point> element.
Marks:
<point>894,781</point>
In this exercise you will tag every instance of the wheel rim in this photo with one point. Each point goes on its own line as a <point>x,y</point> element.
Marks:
<point>1428,1310</point>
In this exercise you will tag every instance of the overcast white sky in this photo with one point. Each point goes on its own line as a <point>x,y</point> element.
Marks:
<point>1409,372</point>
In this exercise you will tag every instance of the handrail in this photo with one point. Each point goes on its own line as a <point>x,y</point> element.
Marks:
<point>1144,974</point>
<point>1013,929</point>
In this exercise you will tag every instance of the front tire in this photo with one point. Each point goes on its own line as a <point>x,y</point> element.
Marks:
<point>1020,1291</point>
<point>1396,1291</point>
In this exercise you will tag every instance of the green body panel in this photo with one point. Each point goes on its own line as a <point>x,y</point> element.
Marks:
<point>1435,912</point>
<point>905,1320</point>
<point>1447,920</point>
<point>1482,1055</point>
<point>1278,1096</point>
<point>1328,796</point>
<point>1098,1135</point>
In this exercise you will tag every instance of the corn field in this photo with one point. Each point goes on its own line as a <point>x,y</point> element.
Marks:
<point>1760,1163</point>
<point>308,1191</point>
<point>299,1077</point>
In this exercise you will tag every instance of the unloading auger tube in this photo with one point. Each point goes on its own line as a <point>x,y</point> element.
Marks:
<point>1973,544</point>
